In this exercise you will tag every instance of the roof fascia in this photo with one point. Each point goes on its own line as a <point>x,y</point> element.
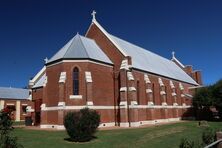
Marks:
<point>38,75</point>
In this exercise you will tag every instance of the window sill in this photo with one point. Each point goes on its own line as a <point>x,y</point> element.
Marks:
<point>75,97</point>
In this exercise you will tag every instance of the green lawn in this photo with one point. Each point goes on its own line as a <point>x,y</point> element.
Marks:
<point>17,123</point>
<point>167,136</point>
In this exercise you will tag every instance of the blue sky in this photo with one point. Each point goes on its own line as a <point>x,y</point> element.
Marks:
<point>32,30</point>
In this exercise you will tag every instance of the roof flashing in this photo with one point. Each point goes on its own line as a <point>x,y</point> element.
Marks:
<point>176,60</point>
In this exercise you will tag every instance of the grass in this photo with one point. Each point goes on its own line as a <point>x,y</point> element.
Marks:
<point>16,123</point>
<point>167,136</point>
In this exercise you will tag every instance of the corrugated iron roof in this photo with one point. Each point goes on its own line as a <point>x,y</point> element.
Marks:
<point>148,61</point>
<point>40,82</point>
<point>80,47</point>
<point>14,93</point>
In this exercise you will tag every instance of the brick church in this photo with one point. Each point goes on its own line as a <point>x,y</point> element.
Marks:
<point>127,85</point>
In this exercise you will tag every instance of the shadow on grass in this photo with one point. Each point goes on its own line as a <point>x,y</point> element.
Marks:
<point>70,140</point>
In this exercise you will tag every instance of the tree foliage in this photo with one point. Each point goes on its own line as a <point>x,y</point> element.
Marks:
<point>217,96</point>
<point>203,97</point>
<point>6,139</point>
<point>209,96</point>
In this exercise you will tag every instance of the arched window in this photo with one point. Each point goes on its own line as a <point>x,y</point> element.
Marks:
<point>75,81</point>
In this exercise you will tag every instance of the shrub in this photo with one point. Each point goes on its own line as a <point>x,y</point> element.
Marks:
<point>208,136</point>
<point>6,140</point>
<point>82,125</point>
<point>186,143</point>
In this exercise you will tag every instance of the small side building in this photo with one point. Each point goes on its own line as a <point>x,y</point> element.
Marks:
<point>18,100</point>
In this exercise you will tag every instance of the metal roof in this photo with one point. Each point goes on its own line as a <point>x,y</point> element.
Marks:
<point>148,61</point>
<point>14,93</point>
<point>80,47</point>
<point>40,82</point>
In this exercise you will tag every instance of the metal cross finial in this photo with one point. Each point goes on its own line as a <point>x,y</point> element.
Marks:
<point>173,54</point>
<point>94,14</point>
<point>46,60</point>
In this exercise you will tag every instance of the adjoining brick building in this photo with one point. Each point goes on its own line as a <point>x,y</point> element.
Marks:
<point>17,100</point>
<point>126,84</point>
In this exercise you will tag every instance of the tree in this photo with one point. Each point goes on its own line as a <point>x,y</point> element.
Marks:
<point>206,97</point>
<point>203,97</point>
<point>81,126</point>
<point>217,96</point>
<point>6,139</point>
<point>202,101</point>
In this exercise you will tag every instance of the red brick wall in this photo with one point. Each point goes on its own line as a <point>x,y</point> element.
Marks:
<point>68,68</point>
<point>37,96</point>
<point>102,84</point>
<point>188,69</point>
<point>103,90</point>
<point>102,87</point>
<point>52,86</point>
<point>159,113</point>
<point>111,51</point>
<point>198,77</point>
<point>139,76</point>
<point>106,45</point>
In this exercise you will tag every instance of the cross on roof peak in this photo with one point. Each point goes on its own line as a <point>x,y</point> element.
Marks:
<point>46,60</point>
<point>94,14</point>
<point>173,54</point>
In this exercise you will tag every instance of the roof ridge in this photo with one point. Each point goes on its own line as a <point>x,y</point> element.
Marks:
<point>70,44</point>
<point>84,46</point>
<point>174,58</point>
<point>81,47</point>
